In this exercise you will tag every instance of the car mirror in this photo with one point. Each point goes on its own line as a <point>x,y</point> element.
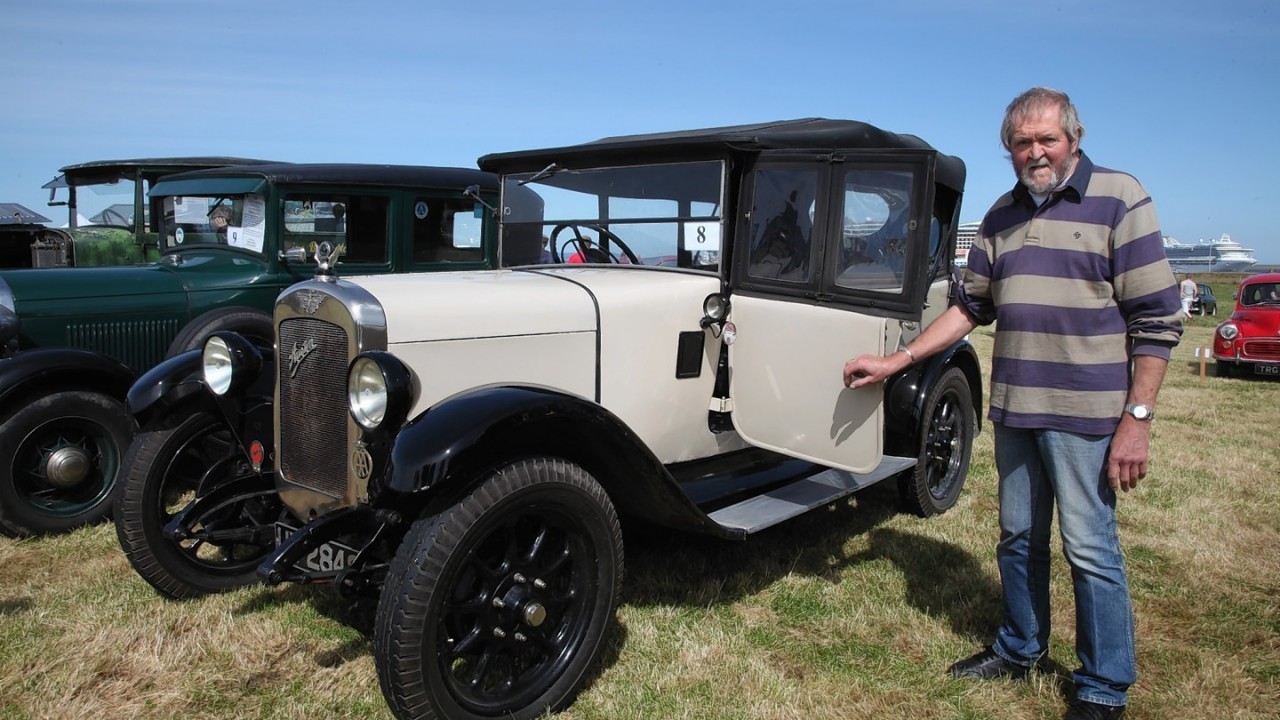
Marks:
<point>294,255</point>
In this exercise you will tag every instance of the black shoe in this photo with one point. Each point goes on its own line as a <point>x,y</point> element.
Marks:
<point>987,665</point>
<point>1084,710</point>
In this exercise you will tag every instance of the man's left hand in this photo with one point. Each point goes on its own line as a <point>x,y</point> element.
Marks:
<point>1127,461</point>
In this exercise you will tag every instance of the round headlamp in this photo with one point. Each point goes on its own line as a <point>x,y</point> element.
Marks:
<point>367,393</point>
<point>379,390</point>
<point>1228,331</point>
<point>229,362</point>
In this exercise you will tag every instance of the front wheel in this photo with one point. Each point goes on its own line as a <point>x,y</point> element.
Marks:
<point>168,462</point>
<point>61,455</point>
<point>497,606</point>
<point>948,426</point>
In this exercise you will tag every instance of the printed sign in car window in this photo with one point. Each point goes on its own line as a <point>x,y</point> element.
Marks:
<point>702,236</point>
<point>249,235</point>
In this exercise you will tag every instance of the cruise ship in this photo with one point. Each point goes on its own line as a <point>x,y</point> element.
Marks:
<point>966,233</point>
<point>1221,255</point>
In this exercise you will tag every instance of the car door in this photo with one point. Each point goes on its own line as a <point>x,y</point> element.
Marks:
<point>830,249</point>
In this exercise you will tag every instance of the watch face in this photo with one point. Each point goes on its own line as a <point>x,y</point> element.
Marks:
<point>1141,412</point>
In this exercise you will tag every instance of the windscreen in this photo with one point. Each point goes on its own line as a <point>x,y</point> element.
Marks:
<point>662,215</point>
<point>233,220</point>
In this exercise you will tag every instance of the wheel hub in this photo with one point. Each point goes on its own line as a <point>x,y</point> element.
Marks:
<point>67,467</point>
<point>519,605</point>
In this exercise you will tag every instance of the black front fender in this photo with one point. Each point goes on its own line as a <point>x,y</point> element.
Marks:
<point>179,381</point>
<point>449,447</point>
<point>165,385</point>
<point>41,368</point>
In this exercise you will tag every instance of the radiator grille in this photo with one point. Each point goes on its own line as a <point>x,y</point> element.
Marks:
<point>313,406</point>
<point>139,344</point>
<point>1262,349</point>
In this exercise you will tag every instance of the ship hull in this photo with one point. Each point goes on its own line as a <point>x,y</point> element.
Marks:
<point>1222,256</point>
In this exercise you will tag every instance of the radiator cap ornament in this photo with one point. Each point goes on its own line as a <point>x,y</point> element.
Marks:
<point>327,255</point>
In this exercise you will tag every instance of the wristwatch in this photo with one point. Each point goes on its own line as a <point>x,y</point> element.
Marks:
<point>1140,412</point>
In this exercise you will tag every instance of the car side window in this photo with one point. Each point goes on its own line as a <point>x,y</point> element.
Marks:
<point>356,222</point>
<point>782,215</point>
<point>446,230</point>
<point>876,216</point>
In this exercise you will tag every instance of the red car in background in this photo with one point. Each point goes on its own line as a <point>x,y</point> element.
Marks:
<point>1248,343</point>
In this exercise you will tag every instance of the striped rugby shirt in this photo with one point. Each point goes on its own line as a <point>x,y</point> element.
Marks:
<point>1075,285</point>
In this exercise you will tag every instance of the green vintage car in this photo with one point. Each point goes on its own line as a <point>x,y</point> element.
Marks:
<point>108,215</point>
<point>230,239</point>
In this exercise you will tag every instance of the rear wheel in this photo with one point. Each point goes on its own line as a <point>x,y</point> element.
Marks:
<point>948,426</point>
<point>61,455</point>
<point>168,461</point>
<point>253,324</point>
<point>497,606</point>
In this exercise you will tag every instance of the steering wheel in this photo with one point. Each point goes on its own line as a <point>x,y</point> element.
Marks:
<point>109,213</point>
<point>591,254</point>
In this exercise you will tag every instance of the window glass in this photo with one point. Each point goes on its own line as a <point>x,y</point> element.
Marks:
<point>782,225</point>
<point>234,220</point>
<point>446,230</point>
<point>667,215</point>
<point>876,220</point>
<point>106,205</point>
<point>357,223</point>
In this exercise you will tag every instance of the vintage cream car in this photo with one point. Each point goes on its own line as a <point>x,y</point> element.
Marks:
<point>665,340</point>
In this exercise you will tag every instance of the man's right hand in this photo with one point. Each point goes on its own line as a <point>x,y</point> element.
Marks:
<point>867,369</point>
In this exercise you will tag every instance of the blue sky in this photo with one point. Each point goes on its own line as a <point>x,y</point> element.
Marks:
<point>1181,94</point>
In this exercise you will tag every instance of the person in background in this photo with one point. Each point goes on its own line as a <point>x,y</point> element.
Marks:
<point>1190,291</point>
<point>1070,266</point>
<point>545,257</point>
<point>219,219</point>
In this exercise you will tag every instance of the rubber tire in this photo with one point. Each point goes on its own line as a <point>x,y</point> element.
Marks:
<point>441,552</point>
<point>79,412</point>
<point>948,427</point>
<point>143,508</point>
<point>1222,370</point>
<point>253,324</point>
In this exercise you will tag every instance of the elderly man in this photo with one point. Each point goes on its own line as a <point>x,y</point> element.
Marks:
<point>1071,265</point>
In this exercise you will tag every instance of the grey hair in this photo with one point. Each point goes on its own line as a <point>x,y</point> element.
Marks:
<point>1035,101</point>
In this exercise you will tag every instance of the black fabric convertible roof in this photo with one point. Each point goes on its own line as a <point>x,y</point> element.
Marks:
<point>404,176</point>
<point>100,171</point>
<point>806,133</point>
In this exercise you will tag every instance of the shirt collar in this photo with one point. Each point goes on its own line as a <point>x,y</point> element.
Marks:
<point>1075,187</point>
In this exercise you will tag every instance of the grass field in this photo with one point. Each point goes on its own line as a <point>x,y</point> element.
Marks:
<point>853,611</point>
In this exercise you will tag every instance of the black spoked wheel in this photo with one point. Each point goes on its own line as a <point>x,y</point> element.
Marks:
<point>61,455</point>
<point>948,427</point>
<point>497,606</point>
<point>166,465</point>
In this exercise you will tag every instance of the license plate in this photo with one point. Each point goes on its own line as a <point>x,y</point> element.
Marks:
<point>329,557</point>
<point>1266,369</point>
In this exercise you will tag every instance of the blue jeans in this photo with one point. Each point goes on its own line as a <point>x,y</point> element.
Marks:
<point>1036,468</point>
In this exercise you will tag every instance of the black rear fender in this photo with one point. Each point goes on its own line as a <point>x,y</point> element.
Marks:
<point>905,393</point>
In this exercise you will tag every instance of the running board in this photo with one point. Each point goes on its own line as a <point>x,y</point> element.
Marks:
<point>788,501</point>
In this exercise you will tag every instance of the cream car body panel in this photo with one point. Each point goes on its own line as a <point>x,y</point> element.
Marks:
<point>540,327</point>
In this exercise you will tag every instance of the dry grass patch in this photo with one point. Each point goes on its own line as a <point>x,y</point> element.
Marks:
<point>852,611</point>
